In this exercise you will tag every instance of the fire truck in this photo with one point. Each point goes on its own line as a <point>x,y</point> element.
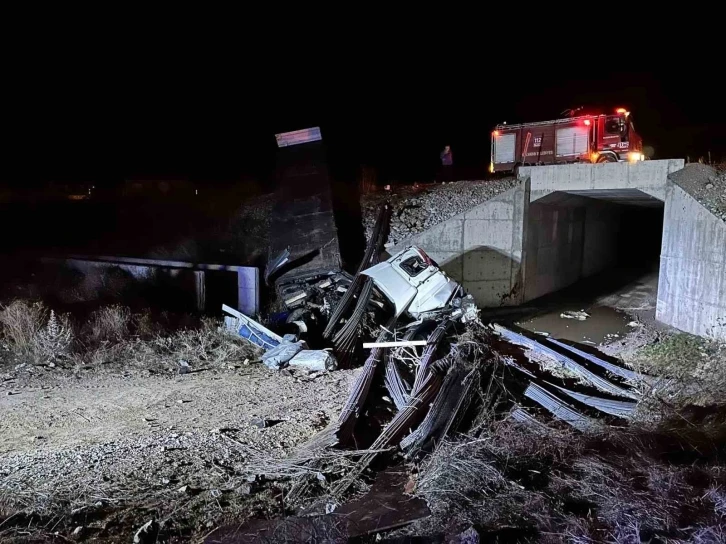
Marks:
<point>582,138</point>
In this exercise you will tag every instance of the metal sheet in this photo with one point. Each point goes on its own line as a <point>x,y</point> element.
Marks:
<point>248,291</point>
<point>520,415</point>
<point>302,219</point>
<point>559,409</point>
<point>572,141</point>
<point>251,330</point>
<point>566,362</point>
<point>613,407</point>
<point>504,148</point>
<point>614,369</point>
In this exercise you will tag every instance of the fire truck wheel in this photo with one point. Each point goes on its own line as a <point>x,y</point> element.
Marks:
<point>607,158</point>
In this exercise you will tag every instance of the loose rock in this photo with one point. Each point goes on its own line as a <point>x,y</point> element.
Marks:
<point>706,184</point>
<point>420,207</point>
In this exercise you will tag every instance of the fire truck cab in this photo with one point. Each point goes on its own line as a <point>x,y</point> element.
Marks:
<point>585,138</point>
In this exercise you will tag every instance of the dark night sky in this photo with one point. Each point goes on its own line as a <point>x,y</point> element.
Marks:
<point>101,115</point>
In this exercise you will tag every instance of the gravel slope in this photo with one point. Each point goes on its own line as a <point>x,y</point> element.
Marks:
<point>705,184</point>
<point>419,207</point>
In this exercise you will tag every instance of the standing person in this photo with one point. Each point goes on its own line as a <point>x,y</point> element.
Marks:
<point>447,164</point>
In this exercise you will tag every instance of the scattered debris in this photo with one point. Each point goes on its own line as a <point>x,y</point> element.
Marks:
<point>147,533</point>
<point>434,371</point>
<point>314,360</point>
<point>394,344</point>
<point>279,356</point>
<point>248,328</point>
<point>582,315</point>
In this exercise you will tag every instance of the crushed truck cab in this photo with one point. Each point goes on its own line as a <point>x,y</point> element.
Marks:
<point>413,282</point>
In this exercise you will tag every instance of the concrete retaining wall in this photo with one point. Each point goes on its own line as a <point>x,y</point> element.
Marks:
<point>553,255</point>
<point>648,177</point>
<point>482,248</point>
<point>543,235</point>
<point>600,243</point>
<point>568,238</point>
<point>692,282</point>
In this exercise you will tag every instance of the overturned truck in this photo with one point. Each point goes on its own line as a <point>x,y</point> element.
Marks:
<point>430,367</point>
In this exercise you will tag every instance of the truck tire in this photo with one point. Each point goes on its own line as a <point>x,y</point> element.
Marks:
<point>607,158</point>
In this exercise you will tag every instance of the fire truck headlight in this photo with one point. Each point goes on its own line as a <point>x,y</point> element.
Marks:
<point>491,167</point>
<point>635,157</point>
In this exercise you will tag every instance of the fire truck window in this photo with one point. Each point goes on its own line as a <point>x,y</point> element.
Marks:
<point>612,126</point>
<point>413,266</point>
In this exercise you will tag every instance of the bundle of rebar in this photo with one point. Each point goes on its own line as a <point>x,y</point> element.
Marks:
<point>359,394</point>
<point>345,339</point>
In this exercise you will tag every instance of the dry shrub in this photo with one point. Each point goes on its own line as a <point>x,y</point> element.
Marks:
<point>55,339</point>
<point>208,344</point>
<point>114,335</point>
<point>151,349</point>
<point>21,322</point>
<point>564,486</point>
<point>144,325</point>
<point>108,324</point>
<point>692,369</point>
<point>32,330</point>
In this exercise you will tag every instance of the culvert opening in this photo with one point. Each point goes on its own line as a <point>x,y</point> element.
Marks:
<point>591,265</point>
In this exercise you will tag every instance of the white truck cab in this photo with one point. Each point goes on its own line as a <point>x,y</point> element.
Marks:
<point>413,282</point>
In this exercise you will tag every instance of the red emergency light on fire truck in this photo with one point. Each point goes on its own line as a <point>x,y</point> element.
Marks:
<point>585,138</point>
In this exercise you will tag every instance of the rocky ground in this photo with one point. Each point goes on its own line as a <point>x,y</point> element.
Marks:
<point>419,207</point>
<point>94,452</point>
<point>705,184</point>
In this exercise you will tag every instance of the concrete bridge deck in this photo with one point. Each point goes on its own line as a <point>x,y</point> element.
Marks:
<point>559,226</point>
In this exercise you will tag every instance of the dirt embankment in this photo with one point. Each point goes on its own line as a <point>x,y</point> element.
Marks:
<point>419,207</point>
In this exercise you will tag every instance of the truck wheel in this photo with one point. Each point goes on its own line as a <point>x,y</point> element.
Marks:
<point>607,158</point>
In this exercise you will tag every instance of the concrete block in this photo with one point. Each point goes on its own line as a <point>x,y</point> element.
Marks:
<point>493,209</point>
<point>490,294</point>
<point>450,262</point>
<point>487,264</point>
<point>716,245</point>
<point>692,282</point>
<point>489,233</point>
<point>547,261</point>
<point>446,236</point>
<point>714,287</point>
